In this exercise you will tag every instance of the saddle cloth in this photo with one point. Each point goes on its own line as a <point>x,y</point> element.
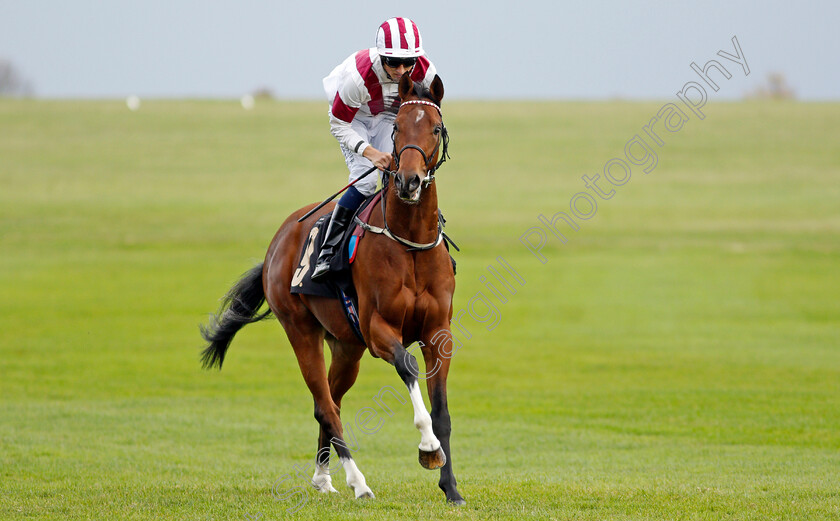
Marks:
<point>339,283</point>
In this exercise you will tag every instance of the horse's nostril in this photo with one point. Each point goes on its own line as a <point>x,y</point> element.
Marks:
<point>414,182</point>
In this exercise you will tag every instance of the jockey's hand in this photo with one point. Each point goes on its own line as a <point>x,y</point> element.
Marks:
<point>380,159</point>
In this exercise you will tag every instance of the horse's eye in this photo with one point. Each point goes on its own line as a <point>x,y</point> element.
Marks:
<point>396,128</point>
<point>437,130</point>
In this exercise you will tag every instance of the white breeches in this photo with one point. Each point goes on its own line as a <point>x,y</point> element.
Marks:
<point>377,131</point>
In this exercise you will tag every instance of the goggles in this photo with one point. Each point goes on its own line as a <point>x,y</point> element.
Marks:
<point>396,62</point>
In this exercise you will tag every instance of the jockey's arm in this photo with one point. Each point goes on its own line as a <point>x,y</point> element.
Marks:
<point>351,139</point>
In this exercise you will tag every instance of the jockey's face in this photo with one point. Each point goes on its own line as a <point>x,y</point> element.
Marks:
<point>395,73</point>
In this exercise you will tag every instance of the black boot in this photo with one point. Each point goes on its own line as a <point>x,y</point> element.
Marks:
<point>338,224</point>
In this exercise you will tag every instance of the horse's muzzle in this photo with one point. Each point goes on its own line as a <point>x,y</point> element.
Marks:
<point>408,186</point>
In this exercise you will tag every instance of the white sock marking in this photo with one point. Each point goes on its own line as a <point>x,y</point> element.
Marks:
<point>422,420</point>
<point>322,479</point>
<point>355,479</point>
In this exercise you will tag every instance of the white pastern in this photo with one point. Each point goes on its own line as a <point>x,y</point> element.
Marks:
<point>422,420</point>
<point>355,479</point>
<point>322,479</point>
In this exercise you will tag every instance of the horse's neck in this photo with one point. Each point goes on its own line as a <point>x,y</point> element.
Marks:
<point>417,223</point>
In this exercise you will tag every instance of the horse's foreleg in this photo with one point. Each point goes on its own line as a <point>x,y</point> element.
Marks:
<point>387,344</point>
<point>437,370</point>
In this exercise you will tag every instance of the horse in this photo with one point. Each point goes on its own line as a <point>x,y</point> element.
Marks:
<point>405,283</point>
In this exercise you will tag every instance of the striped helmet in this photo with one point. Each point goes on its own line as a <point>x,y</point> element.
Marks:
<point>400,38</point>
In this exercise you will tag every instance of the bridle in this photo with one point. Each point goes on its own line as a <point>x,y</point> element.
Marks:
<point>443,140</point>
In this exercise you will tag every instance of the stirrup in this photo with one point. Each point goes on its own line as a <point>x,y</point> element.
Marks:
<point>332,243</point>
<point>321,268</point>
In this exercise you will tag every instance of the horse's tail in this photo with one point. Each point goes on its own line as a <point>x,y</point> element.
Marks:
<point>239,308</point>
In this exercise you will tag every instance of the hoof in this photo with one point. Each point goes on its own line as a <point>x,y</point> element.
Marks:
<point>432,460</point>
<point>457,502</point>
<point>368,494</point>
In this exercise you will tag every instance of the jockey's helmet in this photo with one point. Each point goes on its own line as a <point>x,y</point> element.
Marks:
<point>399,38</point>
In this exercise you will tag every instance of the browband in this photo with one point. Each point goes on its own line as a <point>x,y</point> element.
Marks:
<point>422,102</point>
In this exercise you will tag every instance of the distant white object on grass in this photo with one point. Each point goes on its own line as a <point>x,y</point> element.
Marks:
<point>247,102</point>
<point>133,103</point>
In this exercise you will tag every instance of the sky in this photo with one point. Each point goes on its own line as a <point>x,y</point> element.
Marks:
<point>482,49</point>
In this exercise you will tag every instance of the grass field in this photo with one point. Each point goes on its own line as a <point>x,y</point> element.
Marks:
<point>678,358</point>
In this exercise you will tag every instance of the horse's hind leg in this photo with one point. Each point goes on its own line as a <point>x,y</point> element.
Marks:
<point>344,369</point>
<point>307,339</point>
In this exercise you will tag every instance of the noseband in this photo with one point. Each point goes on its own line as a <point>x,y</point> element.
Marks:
<point>442,138</point>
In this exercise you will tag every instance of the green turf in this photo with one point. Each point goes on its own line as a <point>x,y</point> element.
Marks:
<point>678,358</point>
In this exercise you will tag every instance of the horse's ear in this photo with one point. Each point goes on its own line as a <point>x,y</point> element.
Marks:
<point>437,89</point>
<point>406,86</point>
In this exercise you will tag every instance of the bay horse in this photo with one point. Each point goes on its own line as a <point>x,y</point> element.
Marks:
<point>405,283</point>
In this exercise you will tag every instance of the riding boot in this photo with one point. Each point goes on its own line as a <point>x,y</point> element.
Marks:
<point>338,224</point>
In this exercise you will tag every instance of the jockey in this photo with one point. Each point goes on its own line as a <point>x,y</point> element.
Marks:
<point>363,93</point>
